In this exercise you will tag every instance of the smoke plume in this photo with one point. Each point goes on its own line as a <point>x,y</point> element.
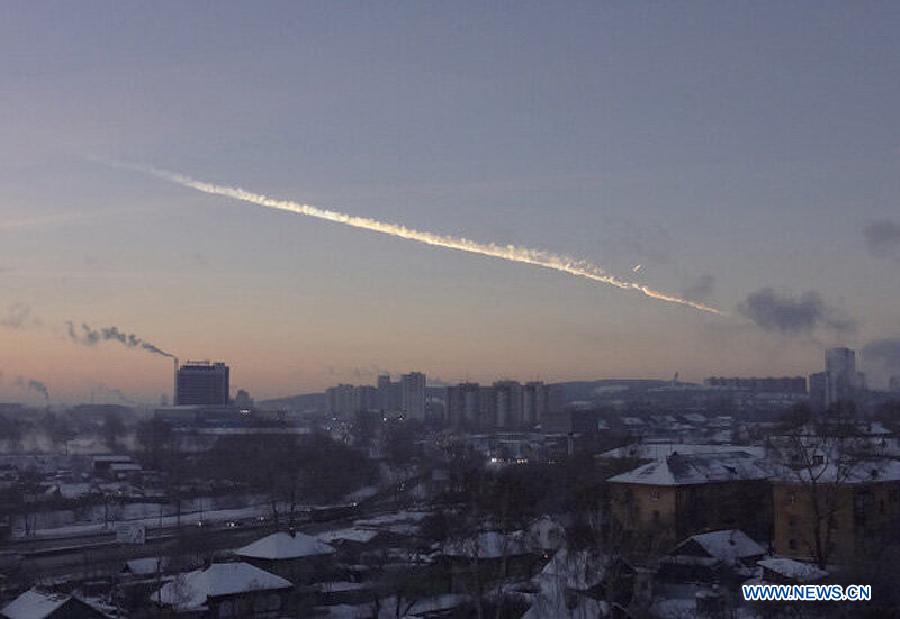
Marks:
<point>34,385</point>
<point>88,336</point>
<point>578,268</point>
<point>791,315</point>
<point>884,352</point>
<point>883,238</point>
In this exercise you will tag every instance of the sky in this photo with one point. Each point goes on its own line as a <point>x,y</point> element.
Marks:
<point>746,155</point>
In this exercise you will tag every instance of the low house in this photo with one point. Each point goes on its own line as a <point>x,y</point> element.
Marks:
<point>588,574</point>
<point>226,590</point>
<point>782,570</point>
<point>489,556</point>
<point>728,554</point>
<point>672,498</point>
<point>293,555</point>
<point>36,604</point>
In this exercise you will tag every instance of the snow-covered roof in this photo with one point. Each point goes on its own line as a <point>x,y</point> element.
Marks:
<point>794,570</point>
<point>678,470</point>
<point>34,604</point>
<point>283,545</point>
<point>727,545</point>
<point>574,570</point>
<point>863,471</point>
<point>146,566</point>
<point>76,490</point>
<point>192,589</point>
<point>653,451</point>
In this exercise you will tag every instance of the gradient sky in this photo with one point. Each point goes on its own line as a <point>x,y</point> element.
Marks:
<point>726,147</point>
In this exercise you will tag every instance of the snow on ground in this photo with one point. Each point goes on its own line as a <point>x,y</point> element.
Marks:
<point>403,516</point>
<point>362,536</point>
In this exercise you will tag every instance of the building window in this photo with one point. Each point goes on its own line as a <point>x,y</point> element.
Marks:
<point>654,494</point>
<point>792,522</point>
<point>792,544</point>
<point>656,515</point>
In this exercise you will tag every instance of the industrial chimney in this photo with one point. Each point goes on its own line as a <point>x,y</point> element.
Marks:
<point>175,383</point>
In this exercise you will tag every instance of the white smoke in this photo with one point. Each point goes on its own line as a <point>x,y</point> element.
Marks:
<point>578,268</point>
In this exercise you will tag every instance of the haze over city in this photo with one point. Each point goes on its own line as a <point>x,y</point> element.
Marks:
<point>738,156</point>
<point>449,310</point>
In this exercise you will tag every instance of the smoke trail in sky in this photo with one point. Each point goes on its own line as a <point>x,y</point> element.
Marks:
<point>34,385</point>
<point>579,268</point>
<point>90,337</point>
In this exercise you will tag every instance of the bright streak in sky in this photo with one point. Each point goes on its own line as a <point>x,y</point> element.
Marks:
<point>512,253</point>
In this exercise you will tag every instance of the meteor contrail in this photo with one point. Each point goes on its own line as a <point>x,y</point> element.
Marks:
<point>578,268</point>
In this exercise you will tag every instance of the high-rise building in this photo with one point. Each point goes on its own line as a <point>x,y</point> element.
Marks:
<point>534,403</point>
<point>412,389</point>
<point>843,382</point>
<point>463,405</point>
<point>508,395</point>
<point>818,391</point>
<point>202,383</point>
<point>365,399</point>
<point>341,400</point>
<point>384,391</point>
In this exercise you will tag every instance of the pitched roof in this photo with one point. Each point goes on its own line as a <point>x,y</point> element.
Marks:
<point>727,545</point>
<point>34,604</point>
<point>283,545</point>
<point>795,570</point>
<point>678,470</point>
<point>859,472</point>
<point>580,570</point>
<point>192,589</point>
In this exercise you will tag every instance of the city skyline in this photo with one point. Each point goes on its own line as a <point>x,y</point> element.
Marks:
<point>741,157</point>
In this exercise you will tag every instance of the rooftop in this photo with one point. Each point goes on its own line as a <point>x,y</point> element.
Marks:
<point>283,545</point>
<point>727,545</point>
<point>698,468</point>
<point>192,589</point>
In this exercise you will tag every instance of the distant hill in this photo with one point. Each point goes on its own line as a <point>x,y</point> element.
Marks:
<point>585,390</point>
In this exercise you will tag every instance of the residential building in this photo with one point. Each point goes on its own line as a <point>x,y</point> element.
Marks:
<point>843,382</point>
<point>664,501</point>
<point>839,512</point>
<point>412,388</point>
<point>508,397</point>
<point>202,383</point>
<point>463,405</point>
<point>782,384</point>
<point>341,400</point>
<point>534,403</point>
<point>226,590</point>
